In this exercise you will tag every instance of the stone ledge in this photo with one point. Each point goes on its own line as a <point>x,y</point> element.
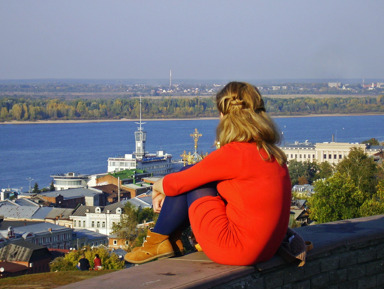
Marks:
<point>197,271</point>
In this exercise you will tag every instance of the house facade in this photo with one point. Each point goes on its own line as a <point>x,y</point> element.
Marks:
<point>97,218</point>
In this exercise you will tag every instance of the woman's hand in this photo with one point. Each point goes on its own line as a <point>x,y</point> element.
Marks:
<point>158,196</point>
<point>157,203</point>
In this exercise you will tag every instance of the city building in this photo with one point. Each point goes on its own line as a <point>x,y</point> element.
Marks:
<point>128,182</point>
<point>332,152</point>
<point>83,237</point>
<point>115,242</point>
<point>97,218</point>
<point>60,216</point>
<point>46,234</point>
<point>111,192</point>
<point>72,197</point>
<point>19,209</point>
<point>69,181</point>
<point>34,258</point>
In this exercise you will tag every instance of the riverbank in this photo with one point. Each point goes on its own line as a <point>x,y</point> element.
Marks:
<point>172,119</point>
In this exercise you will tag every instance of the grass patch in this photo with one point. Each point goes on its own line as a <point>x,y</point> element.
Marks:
<point>50,279</point>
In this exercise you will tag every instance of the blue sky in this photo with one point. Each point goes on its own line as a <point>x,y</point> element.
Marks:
<point>197,39</point>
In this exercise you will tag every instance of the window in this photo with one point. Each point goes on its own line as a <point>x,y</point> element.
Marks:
<point>324,156</point>
<point>330,156</point>
<point>335,156</point>
<point>93,224</point>
<point>103,224</point>
<point>114,242</point>
<point>340,157</point>
<point>84,224</point>
<point>98,224</point>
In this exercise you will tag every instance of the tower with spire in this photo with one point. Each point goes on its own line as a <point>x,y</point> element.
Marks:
<point>140,138</point>
<point>157,164</point>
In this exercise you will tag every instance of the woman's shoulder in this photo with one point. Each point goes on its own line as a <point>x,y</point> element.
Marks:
<point>240,146</point>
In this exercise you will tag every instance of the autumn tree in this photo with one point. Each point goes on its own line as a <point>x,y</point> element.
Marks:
<point>109,261</point>
<point>375,205</point>
<point>302,172</point>
<point>128,227</point>
<point>361,169</point>
<point>371,141</point>
<point>335,198</point>
<point>325,170</point>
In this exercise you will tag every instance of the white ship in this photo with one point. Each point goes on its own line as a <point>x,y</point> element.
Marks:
<point>158,164</point>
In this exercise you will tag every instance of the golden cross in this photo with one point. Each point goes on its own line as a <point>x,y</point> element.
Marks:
<point>196,135</point>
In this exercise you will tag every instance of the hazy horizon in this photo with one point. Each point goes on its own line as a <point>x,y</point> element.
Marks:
<point>198,40</point>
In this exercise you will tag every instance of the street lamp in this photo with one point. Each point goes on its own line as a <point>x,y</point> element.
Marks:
<point>30,180</point>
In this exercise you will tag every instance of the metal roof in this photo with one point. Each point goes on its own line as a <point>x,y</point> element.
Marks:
<point>42,213</point>
<point>61,213</point>
<point>17,211</point>
<point>83,210</point>
<point>40,228</point>
<point>83,233</point>
<point>73,193</point>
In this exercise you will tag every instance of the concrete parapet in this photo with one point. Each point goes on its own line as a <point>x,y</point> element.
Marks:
<point>347,254</point>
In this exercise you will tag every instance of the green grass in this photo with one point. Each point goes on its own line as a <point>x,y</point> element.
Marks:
<point>49,280</point>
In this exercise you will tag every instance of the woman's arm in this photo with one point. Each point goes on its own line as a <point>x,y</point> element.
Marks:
<point>222,164</point>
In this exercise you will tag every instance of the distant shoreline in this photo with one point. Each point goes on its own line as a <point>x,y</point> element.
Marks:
<point>171,119</point>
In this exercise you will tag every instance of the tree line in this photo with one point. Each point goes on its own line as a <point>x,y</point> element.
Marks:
<point>32,109</point>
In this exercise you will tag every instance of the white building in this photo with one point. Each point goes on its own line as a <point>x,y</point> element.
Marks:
<point>69,181</point>
<point>332,152</point>
<point>97,218</point>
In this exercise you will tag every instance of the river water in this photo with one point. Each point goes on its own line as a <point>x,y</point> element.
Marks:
<point>30,153</point>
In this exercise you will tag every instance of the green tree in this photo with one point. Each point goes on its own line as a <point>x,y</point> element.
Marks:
<point>145,214</point>
<point>325,170</point>
<point>361,169</point>
<point>336,198</point>
<point>52,186</point>
<point>296,170</point>
<point>302,172</point>
<point>375,205</point>
<point>36,189</point>
<point>372,141</point>
<point>127,228</point>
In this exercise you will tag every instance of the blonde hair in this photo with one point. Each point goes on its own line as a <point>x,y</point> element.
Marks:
<point>244,119</point>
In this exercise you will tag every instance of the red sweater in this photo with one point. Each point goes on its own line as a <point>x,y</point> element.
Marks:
<point>248,221</point>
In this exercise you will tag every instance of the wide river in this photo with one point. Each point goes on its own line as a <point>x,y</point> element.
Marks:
<point>30,153</point>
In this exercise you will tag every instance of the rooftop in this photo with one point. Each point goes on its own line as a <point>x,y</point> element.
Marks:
<point>40,228</point>
<point>72,193</point>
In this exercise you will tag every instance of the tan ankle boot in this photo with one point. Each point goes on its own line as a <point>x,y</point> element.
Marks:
<point>155,246</point>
